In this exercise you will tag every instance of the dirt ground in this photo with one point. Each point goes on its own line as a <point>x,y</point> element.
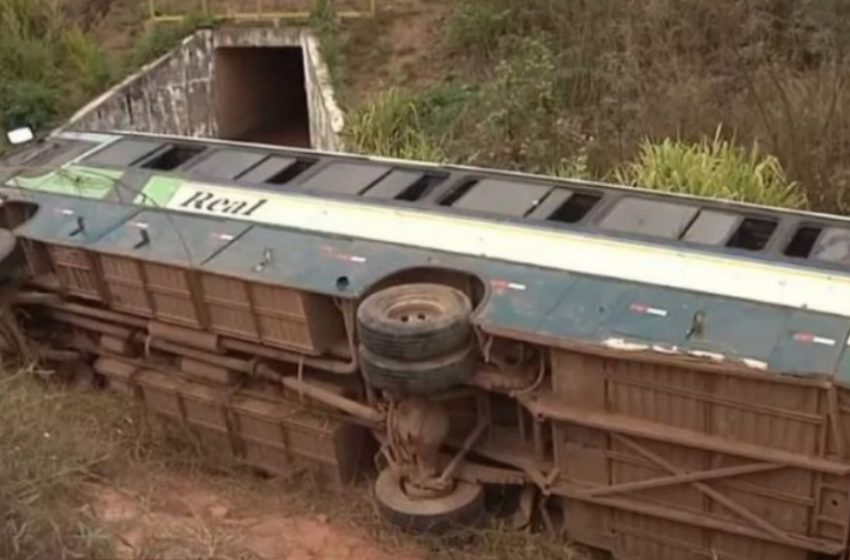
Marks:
<point>173,514</point>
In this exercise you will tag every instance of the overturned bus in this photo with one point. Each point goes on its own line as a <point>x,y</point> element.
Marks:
<point>662,377</point>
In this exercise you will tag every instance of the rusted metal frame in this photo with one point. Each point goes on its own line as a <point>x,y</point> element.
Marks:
<point>682,478</point>
<point>539,444</point>
<point>543,406</point>
<point>730,483</point>
<point>143,280</point>
<point>469,442</point>
<point>252,308</point>
<point>783,536</point>
<point>528,465</point>
<point>698,520</point>
<point>684,546</point>
<point>196,292</point>
<point>485,474</point>
<point>103,319</point>
<point>834,414</point>
<point>696,395</point>
<point>224,406</point>
<point>349,406</point>
<point>325,364</point>
<point>93,325</point>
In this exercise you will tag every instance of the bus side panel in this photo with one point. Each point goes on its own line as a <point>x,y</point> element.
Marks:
<point>665,496</point>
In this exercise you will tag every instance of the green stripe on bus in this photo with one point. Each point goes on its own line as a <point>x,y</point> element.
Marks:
<point>158,191</point>
<point>81,181</point>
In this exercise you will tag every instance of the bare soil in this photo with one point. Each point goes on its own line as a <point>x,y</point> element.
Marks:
<point>173,514</point>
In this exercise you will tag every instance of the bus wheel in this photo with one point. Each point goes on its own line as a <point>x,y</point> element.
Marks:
<point>415,322</point>
<point>462,507</point>
<point>418,378</point>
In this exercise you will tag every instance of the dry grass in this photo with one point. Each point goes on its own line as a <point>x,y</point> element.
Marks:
<point>57,443</point>
<point>52,439</point>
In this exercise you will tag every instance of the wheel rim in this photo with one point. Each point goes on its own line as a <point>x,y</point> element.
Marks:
<point>415,311</point>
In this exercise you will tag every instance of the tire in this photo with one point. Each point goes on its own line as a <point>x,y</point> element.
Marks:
<point>415,321</point>
<point>419,378</point>
<point>463,507</point>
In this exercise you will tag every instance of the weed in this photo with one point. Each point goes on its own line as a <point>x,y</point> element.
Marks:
<point>325,25</point>
<point>476,29</point>
<point>86,62</point>
<point>392,125</point>
<point>712,168</point>
<point>160,39</point>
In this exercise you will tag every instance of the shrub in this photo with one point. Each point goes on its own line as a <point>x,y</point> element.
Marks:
<point>714,168</point>
<point>86,62</point>
<point>28,103</point>
<point>476,29</point>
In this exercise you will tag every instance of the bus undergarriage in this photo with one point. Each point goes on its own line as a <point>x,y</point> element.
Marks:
<point>659,376</point>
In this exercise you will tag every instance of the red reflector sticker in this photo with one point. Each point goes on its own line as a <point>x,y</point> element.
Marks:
<point>810,338</point>
<point>644,309</point>
<point>500,285</point>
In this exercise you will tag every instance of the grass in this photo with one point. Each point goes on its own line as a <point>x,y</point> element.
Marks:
<point>714,168</point>
<point>55,442</point>
<point>50,63</point>
<point>576,88</point>
<point>50,440</point>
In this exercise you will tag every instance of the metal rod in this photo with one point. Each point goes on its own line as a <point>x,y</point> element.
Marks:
<point>348,406</point>
<point>471,439</point>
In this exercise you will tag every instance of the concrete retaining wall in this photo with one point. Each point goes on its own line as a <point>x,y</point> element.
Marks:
<point>176,95</point>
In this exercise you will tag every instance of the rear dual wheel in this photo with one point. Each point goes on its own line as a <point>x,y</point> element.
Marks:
<point>416,338</point>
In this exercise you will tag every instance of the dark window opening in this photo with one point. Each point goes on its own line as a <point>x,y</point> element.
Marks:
<point>291,172</point>
<point>173,157</point>
<point>458,192</point>
<point>753,234</point>
<point>419,189</point>
<point>575,208</point>
<point>803,242</point>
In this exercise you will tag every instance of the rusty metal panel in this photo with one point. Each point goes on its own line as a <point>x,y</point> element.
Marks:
<point>171,293</point>
<point>265,433</point>
<point>645,473</point>
<point>67,229</point>
<point>228,306</point>
<point>77,271</point>
<point>126,285</point>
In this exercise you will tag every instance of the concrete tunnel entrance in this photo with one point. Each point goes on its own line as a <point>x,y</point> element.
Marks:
<point>260,95</point>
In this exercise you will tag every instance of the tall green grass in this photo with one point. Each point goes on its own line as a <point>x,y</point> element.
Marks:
<point>392,126</point>
<point>714,167</point>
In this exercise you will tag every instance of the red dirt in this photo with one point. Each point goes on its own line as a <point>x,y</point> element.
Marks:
<point>177,515</point>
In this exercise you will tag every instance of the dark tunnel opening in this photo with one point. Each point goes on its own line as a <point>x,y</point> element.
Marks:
<point>261,95</point>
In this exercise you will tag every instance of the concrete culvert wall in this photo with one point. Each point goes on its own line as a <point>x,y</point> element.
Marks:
<point>265,85</point>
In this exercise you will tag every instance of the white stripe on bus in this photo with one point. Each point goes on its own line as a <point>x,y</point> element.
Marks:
<point>561,250</point>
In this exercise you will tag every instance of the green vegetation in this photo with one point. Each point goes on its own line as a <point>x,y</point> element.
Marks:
<point>50,64</point>
<point>593,88</point>
<point>713,168</point>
